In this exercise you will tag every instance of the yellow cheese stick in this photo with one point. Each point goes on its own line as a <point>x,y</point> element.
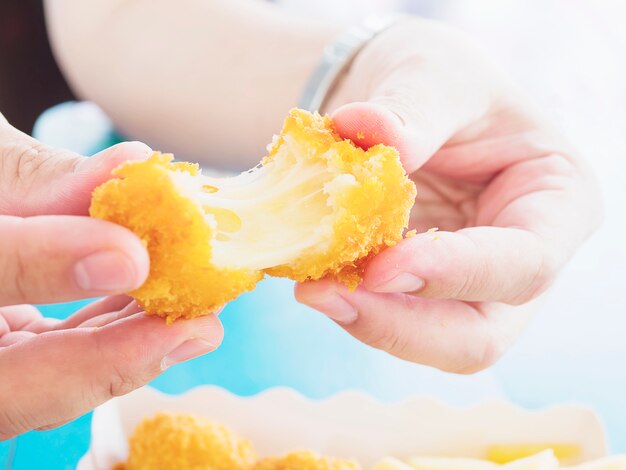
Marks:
<point>450,463</point>
<point>390,463</point>
<point>504,453</point>
<point>542,461</point>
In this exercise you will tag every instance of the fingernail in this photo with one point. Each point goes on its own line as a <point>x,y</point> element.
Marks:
<point>403,282</point>
<point>188,350</point>
<point>336,307</point>
<point>106,271</point>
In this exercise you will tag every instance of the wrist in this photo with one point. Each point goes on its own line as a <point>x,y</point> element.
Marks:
<point>337,58</point>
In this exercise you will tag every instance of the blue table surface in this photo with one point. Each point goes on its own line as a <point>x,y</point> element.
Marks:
<point>271,340</point>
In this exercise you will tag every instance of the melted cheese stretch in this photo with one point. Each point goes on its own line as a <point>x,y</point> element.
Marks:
<point>317,206</point>
<point>267,217</point>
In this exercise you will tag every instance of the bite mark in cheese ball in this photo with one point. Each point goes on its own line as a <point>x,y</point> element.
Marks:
<point>317,206</point>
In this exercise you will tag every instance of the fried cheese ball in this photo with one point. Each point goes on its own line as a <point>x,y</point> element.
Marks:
<point>317,206</point>
<point>305,460</point>
<point>185,442</point>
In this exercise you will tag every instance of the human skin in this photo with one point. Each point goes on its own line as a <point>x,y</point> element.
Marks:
<point>208,81</point>
<point>511,198</point>
<point>52,371</point>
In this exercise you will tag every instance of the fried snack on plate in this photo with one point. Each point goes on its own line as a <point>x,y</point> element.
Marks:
<point>503,453</point>
<point>541,461</point>
<point>317,206</point>
<point>186,442</point>
<point>391,463</point>
<point>305,460</point>
<point>450,463</point>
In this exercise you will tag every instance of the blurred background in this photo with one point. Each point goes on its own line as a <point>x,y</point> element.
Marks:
<point>570,56</point>
<point>30,80</point>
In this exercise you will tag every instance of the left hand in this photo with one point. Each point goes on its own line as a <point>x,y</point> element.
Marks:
<point>513,201</point>
<point>50,251</point>
<point>52,371</point>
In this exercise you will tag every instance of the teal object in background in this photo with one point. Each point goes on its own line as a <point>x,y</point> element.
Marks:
<point>79,126</point>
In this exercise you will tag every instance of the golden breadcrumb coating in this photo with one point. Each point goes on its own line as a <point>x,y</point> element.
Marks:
<point>305,460</point>
<point>182,280</point>
<point>186,442</point>
<point>317,206</point>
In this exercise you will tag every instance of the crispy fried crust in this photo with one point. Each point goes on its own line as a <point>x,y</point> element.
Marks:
<point>182,280</point>
<point>373,213</point>
<point>185,442</point>
<point>305,460</point>
<point>369,215</point>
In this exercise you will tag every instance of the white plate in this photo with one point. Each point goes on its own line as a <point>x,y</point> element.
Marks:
<point>350,424</point>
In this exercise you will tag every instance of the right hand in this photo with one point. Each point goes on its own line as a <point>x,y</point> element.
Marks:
<point>513,201</point>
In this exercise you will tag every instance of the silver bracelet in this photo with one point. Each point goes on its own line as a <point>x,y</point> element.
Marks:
<point>338,56</point>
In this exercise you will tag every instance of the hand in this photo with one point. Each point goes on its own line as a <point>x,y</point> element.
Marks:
<point>49,250</point>
<point>54,371</point>
<point>51,371</point>
<point>512,201</point>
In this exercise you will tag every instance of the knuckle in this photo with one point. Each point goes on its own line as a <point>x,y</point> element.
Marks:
<point>542,278</point>
<point>20,163</point>
<point>10,426</point>
<point>123,379</point>
<point>117,377</point>
<point>120,380</point>
<point>121,383</point>
<point>469,283</point>
<point>387,339</point>
<point>472,281</point>
<point>478,357</point>
<point>22,159</point>
<point>14,275</point>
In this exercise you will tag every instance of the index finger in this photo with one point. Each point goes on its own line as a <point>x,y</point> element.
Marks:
<point>530,219</point>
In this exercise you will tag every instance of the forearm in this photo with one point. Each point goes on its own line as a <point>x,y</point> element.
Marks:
<point>208,80</point>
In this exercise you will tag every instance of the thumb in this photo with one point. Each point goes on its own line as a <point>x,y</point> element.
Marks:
<point>417,133</point>
<point>494,264</point>
<point>60,375</point>
<point>420,85</point>
<point>39,180</point>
